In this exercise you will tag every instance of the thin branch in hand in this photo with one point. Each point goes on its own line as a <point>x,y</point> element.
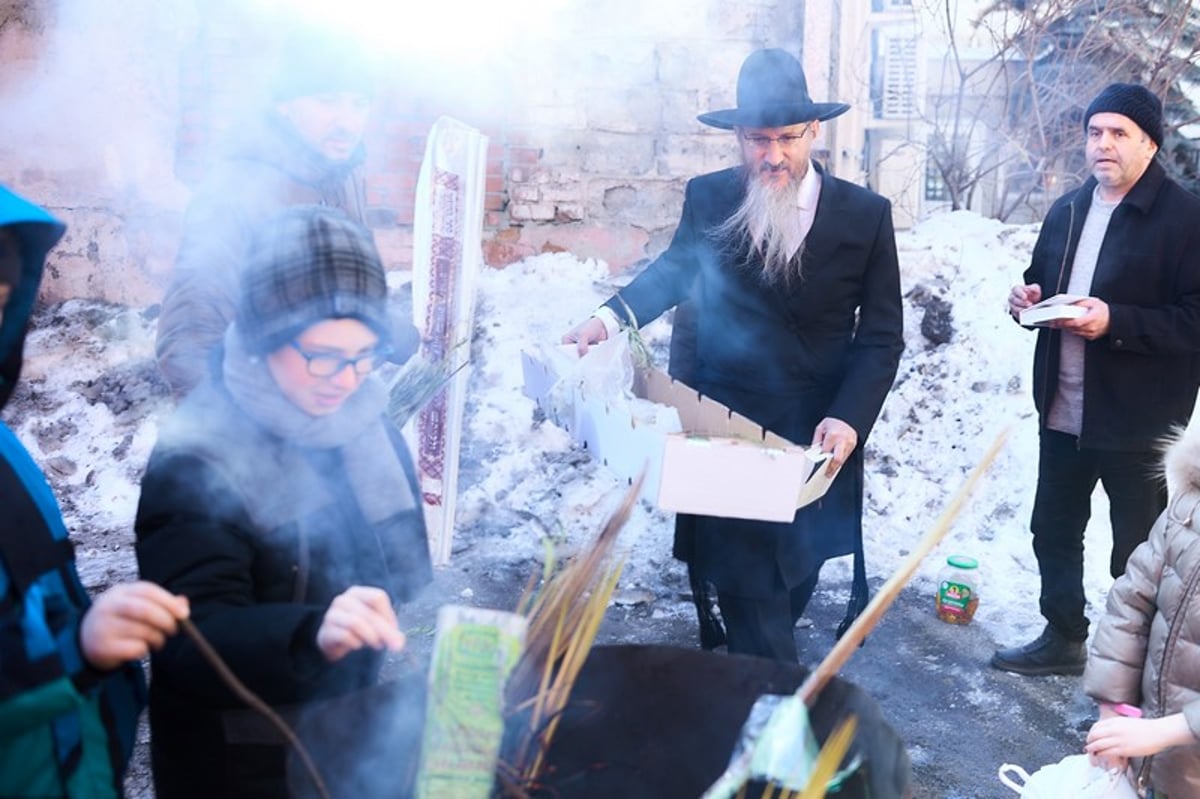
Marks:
<point>253,701</point>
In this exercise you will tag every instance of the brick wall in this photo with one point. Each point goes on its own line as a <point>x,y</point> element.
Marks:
<point>592,127</point>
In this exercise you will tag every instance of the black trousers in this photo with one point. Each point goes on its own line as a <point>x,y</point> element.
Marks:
<point>766,627</point>
<point>1067,475</point>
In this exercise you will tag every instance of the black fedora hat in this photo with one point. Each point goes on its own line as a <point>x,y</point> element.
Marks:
<point>772,93</point>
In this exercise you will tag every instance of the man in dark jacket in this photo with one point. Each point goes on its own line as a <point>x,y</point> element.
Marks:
<point>795,284</point>
<point>70,685</point>
<point>305,150</point>
<point>1110,383</point>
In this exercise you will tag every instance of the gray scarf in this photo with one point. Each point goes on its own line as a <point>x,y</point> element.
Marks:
<point>358,429</point>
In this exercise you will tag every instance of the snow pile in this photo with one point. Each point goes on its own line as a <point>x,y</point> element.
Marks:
<point>90,400</point>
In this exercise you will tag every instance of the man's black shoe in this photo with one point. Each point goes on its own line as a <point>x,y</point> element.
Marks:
<point>1049,653</point>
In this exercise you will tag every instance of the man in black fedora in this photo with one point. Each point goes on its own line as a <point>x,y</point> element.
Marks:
<point>793,280</point>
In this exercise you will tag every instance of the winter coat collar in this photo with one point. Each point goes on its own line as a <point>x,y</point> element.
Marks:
<point>1141,196</point>
<point>272,140</point>
<point>1182,461</point>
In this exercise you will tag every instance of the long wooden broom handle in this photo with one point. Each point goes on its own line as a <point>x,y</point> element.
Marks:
<point>819,677</point>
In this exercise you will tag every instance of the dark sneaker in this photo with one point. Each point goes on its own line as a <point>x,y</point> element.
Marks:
<point>1049,653</point>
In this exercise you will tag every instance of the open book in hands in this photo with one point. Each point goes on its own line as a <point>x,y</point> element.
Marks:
<point>1052,309</point>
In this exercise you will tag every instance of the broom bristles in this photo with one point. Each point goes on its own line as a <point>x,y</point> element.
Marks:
<point>564,618</point>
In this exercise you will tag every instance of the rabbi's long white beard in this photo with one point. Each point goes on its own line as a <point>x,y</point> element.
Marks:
<point>768,219</point>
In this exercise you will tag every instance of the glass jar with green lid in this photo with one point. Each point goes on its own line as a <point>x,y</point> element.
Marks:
<point>958,590</point>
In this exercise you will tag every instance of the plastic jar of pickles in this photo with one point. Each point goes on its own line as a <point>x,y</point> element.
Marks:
<point>958,590</point>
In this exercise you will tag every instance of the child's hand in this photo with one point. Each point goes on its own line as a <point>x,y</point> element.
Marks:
<point>127,621</point>
<point>1112,741</point>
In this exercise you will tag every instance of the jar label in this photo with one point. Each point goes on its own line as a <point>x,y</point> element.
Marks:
<point>955,601</point>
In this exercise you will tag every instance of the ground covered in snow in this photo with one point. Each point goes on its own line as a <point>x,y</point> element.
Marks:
<point>91,399</point>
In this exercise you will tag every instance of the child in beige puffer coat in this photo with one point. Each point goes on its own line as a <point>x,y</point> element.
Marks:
<point>1146,650</point>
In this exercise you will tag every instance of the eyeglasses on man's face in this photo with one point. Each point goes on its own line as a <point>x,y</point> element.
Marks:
<point>760,142</point>
<point>325,364</point>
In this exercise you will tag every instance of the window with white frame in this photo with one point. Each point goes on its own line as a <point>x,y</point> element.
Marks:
<point>894,74</point>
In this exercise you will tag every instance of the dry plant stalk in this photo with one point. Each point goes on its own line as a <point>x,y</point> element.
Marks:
<point>418,381</point>
<point>563,621</point>
<point>819,677</point>
<point>638,350</point>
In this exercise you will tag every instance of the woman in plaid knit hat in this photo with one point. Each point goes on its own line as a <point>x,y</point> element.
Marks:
<point>281,501</point>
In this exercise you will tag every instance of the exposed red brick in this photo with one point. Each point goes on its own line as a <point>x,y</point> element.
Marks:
<point>524,156</point>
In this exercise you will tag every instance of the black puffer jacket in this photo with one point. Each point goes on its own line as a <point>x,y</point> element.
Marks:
<point>258,591</point>
<point>1142,377</point>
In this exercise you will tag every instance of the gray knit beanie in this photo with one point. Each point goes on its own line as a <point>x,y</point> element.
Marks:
<point>307,264</point>
<point>314,61</point>
<point>1131,100</point>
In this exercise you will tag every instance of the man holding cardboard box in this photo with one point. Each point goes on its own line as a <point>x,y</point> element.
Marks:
<point>794,281</point>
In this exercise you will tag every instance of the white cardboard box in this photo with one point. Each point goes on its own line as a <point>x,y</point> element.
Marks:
<point>706,460</point>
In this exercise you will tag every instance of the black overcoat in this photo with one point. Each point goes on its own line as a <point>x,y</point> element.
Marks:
<point>1141,378</point>
<point>786,357</point>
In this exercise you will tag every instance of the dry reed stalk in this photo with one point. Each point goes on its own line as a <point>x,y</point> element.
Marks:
<point>574,656</point>
<point>418,381</point>
<point>819,677</point>
<point>563,621</point>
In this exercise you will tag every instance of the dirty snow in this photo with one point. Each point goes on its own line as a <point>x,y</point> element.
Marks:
<point>90,401</point>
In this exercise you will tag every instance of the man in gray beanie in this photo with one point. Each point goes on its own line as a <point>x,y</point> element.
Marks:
<point>305,149</point>
<point>1111,382</point>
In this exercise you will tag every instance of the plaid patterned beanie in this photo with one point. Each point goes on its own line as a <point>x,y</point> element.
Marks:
<point>1133,101</point>
<point>307,264</point>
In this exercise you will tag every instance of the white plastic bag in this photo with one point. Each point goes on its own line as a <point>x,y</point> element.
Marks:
<point>1072,777</point>
<point>604,375</point>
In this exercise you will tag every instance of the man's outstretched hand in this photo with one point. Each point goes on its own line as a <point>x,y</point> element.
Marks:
<point>590,332</point>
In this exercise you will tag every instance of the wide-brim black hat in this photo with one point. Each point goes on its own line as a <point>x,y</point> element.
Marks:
<point>772,93</point>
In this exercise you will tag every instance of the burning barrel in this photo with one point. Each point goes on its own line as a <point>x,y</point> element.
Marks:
<point>643,721</point>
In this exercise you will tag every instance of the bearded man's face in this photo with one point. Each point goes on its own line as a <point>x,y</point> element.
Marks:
<point>778,157</point>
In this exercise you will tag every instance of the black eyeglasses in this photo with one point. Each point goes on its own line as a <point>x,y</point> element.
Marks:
<point>787,140</point>
<point>322,364</point>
